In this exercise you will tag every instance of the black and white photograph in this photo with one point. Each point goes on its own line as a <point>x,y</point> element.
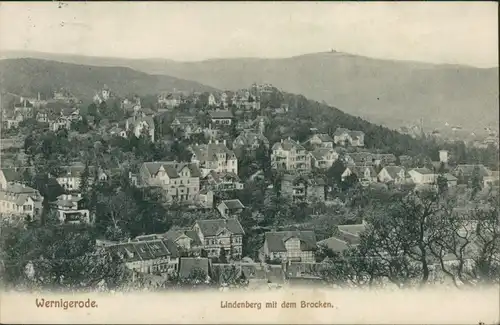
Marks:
<point>263,155</point>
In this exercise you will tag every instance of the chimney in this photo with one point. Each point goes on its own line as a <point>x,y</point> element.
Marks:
<point>224,141</point>
<point>281,140</point>
<point>210,141</point>
<point>69,196</point>
<point>289,138</point>
<point>216,141</point>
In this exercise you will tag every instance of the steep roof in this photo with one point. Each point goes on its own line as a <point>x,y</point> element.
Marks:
<point>249,137</point>
<point>212,227</point>
<point>394,171</point>
<point>352,229</point>
<point>184,119</point>
<point>361,157</point>
<point>360,170</point>
<point>449,177</point>
<point>335,244</point>
<point>220,176</point>
<point>11,174</point>
<point>172,168</point>
<point>233,204</point>
<point>208,152</point>
<point>322,136</point>
<point>341,131</point>
<point>139,119</point>
<point>173,235</point>
<point>423,171</point>
<point>356,134</point>
<point>321,153</point>
<point>18,194</point>
<point>287,145</point>
<point>221,114</point>
<point>138,249</point>
<point>276,240</point>
<point>74,170</point>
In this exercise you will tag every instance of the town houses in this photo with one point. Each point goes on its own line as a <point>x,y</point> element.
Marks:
<point>209,183</point>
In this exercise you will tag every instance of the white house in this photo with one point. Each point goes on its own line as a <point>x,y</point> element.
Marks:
<point>214,156</point>
<point>290,155</point>
<point>20,200</point>
<point>394,174</point>
<point>180,181</point>
<point>363,173</point>
<point>323,158</point>
<point>321,140</point>
<point>70,209</point>
<point>422,176</point>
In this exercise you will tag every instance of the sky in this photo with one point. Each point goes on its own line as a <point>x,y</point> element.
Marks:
<point>439,32</point>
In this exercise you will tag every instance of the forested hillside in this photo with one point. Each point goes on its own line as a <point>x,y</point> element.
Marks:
<point>27,77</point>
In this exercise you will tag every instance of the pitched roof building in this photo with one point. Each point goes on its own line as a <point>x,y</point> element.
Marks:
<point>214,156</point>
<point>290,245</point>
<point>250,139</point>
<point>180,181</point>
<point>217,234</point>
<point>289,155</point>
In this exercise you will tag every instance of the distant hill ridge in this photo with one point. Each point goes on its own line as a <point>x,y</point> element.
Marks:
<point>27,76</point>
<point>390,92</point>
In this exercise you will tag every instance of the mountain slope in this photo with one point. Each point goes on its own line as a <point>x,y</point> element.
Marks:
<point>29,76</point>
<point>389,92</point>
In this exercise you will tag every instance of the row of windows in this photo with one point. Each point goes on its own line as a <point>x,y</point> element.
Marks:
<point>221,121</point>
<point>236,240</point>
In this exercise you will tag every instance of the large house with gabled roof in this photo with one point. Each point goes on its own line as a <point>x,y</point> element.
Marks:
<point>214,156</point>
<point>180,181</point>
<point>288,246</point>
<point>250,139</point>
<point>230,208</point>
<point>20,200</point>
<point>321,140</point>
<point>217,234</point>
<point>289,155</point>
<point>323,157</point>
<point>343,137</point>
<point>393,174</point>
<point>186,240</point>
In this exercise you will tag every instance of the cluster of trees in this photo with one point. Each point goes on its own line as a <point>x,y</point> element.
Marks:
<point>416,240</point>
<point>34,258</point>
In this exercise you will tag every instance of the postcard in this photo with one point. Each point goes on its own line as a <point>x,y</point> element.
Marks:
<point>249,162</point>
